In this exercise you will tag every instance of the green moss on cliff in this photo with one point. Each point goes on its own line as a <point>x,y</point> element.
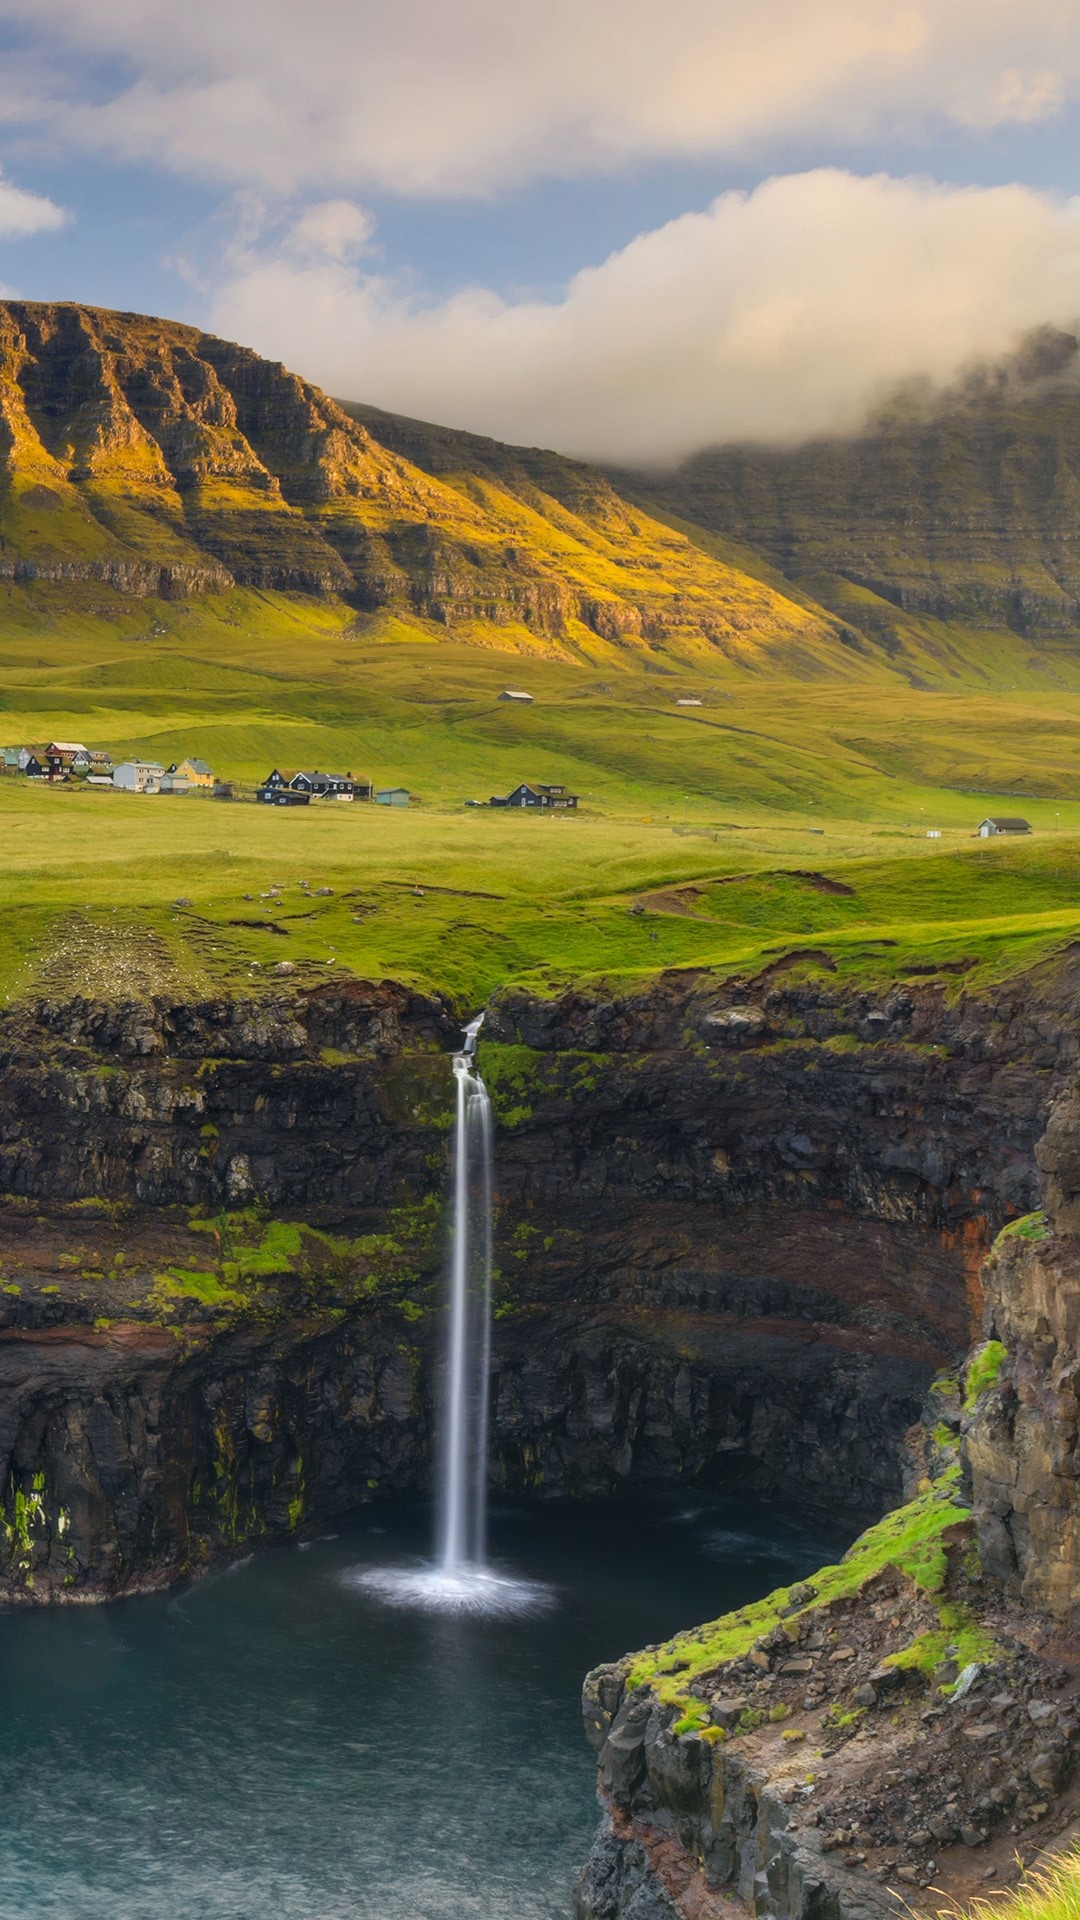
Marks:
<point>187,1283</point>
<point>960,1638</point>
<point>983,1371</point>
<point>1030,1226</point>
<point>911,1538</point>
<point>266,1267</point>
<point>513,1075</point>
<point>23,1517</point>
<point>518,1077</point>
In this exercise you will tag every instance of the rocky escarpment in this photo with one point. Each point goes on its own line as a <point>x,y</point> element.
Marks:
<point>955,505</point>
<point>887,1731</point>
<point>159,460</point>
<point>738,1232</point>
<point>1022,1445</point>
<point>909,1720</point>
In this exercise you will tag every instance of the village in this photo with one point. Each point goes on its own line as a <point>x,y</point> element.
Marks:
<point>68,762</point>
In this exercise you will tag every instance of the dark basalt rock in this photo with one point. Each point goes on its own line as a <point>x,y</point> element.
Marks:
<point>720,1256</point>
<point>619,1882</point>
<point>1022,1443</point>
<point>899,1795</point>
<point>694,1819</point>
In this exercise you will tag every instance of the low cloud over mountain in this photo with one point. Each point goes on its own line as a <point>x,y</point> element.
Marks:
<point>773,315</point>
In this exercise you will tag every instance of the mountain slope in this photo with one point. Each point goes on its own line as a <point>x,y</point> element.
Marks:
<point>668,575</point>
<point>156,460</point>
<point>963,507</point>
<point>961,642</point>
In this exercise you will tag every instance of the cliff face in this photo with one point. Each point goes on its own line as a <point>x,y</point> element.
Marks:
<point>159,460</point>
<point>738,1232</point>
<point>962,507</point>
<point>885,1731</point>
<point>1022,1444</point>
<point>932,1680</point>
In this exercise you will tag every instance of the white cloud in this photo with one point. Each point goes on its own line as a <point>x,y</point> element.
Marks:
<point>472,96</point>
<point>23,214</point>
<point>774,315</point>
<point>336,230</point>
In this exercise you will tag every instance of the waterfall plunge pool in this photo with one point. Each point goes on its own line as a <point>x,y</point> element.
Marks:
<point>276,1742</point>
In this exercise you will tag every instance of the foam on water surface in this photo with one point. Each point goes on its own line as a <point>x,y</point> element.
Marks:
<point>471,1590</point>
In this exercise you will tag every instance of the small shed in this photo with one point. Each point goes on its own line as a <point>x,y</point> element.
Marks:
<point>513,693</point>
<point>688,703</point>
<point>1001,823</point>
<point>392,796</point>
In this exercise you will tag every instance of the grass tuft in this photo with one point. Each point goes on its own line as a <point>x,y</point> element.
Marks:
<point>982,1372</point>
<point>1045,1893</point>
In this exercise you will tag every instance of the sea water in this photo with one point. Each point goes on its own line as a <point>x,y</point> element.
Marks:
<point>276,1742</point>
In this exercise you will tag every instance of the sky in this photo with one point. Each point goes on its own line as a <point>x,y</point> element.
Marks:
<point>623,228</point>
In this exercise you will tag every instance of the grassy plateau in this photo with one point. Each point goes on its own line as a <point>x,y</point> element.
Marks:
<point>719,822</point>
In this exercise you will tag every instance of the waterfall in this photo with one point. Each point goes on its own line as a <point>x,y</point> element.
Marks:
<point>462,1543</point>
<point>460,1580</point>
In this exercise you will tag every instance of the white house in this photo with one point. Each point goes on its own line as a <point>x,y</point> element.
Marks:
<point>139,776</point>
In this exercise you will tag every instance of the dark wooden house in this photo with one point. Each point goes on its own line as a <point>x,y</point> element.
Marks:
<point>533,794</point>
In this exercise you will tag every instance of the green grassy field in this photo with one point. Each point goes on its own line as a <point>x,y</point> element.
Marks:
<point>707,817</point>
<point>250,681</point>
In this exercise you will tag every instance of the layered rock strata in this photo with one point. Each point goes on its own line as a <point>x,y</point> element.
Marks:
<point>160,461</point>
<point>957,505</point>
<point>849,1756</point>
<point>739,1228</point>
<point>844,1763</point>
<point>1022,1444</point>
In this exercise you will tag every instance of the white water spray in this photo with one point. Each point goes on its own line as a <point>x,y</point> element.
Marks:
<point>462,1529</point>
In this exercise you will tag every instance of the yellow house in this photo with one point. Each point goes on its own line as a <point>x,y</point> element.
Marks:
<point>195,772</point>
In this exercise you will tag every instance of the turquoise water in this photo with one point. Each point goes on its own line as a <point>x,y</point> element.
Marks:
<point>276,1743</point>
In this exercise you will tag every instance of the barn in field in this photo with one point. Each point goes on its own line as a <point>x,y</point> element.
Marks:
<point>994,824</point>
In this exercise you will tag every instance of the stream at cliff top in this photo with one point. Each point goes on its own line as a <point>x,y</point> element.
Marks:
<point>274,1743</point>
